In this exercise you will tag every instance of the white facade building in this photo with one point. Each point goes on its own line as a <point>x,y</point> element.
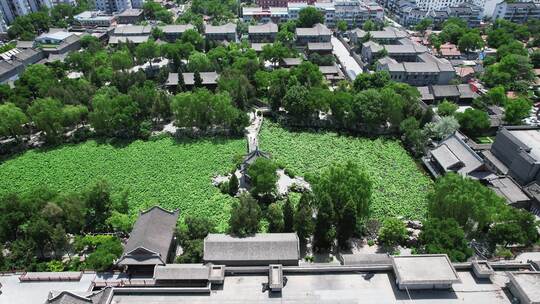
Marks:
<point>436,5</point>
<point>13,8</point>
<point>112,6</point>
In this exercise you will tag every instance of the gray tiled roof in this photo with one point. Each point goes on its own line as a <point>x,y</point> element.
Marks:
<point>260,247</point>
<point>67,297</point>
<point>509,190</point>
<point>329,69</point>
<point>453,154</point>
<point>181,272</point>
<point>445,91</point>
<point>317,30</point>
<point>229,28</point>
<point>152,233</point>
<point>132,30</point>
<point>208,78</point>
<point>366,259</point>
<point>320,46</point>
<point>133,39</point>
<point>292,61</point>
<point>176,28</point>
<point>266,28</point>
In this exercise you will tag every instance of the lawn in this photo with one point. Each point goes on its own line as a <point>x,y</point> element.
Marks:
<point>175,175</point>
<point>400,187</point>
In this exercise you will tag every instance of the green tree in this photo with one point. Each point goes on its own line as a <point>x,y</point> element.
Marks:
<point>245,216</point>
<point>392,233</point>
<point>369,25</point>
<point>443,128</point>
<point>470,41</point>
<point>473,122</point>
<point>263,177</point>
<point>516,110</point>
<point>341,185</point>
<point>104,255</point>
<point>445,236</point>
<point>114,114</point>
<point>303,217</point>
<point>47,115</point>
<point>447,108</point>
<point>275,52</point>
<point>120,222</point>
<point>324,232</point>
<point>238,86</point>
<point>513,226</point>
<point>193,37</point>
<point>73,115</point>
<point>288,216</point>
<point>514,47</point>
<point>366,81</point>
<point>309,16</point>
<point>423,25</point>
<point>274,214</point>
<point>233,185</point>
<point>13,119</point>
<point>199,62</point>
<point>197,228</point>
<point>342,25</point>
<point>98,204</point>
<point>467,201</point>
<point>146,51</point>
<point>121,60</point>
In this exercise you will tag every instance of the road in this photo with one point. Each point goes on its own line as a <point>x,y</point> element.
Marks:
<point>341,52</point>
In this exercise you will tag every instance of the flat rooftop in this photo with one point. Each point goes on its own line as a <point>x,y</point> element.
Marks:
<point>300,288</point>
<point>531,138</point>
<point>528,283</point>
<point>331,288</point>
<point>424,269</point>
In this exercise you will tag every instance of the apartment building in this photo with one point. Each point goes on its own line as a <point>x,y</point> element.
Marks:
<point>265,15</point>
<point>94,18</point>
<point>354,12</point>
<point>112,6</point>
<point>518,12</point>
<point>10,9</point>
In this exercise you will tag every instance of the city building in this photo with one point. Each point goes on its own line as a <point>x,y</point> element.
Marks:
<point>264,15</point>
<point>263,32</point>
<point>516,153</point>
<point>14,61</point>
<point>454,155</point>
<point>175,31</point>
<point>130,16</point>
<point>317,33</point>
<point>427,70</point>
<point>326,8</point>
<point>112,6</point>
<point>518,12</point>
<point>134,33</point>
<point>58,42</point>
<point>151,242</point>
<point>279,3</point>
<point>261,249</point>
<point>12,8</point>
<point>226,32</point>
<point>208,80</point>
<point>522,285</point>
<point>356,12</point>
<point>94,19</point>
<point>429,271</point>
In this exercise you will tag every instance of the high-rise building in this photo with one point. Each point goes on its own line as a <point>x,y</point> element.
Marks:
<point>12,8</point>
<point>112,6</point>
<point>436,5</point>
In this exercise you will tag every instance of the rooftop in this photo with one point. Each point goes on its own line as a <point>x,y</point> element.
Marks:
<point>181,272</point>
<point>528,284</point>
<point>263,28</point>
<point>317,30</point>
<point>176,28</point>
<point>453,154</point>
<point>259,247</point>
<point>508,189</point>
<point>424,269</point>
<point>229,28</point>
<point>132,30</point>
<point>152,234</point>
<point>530,138</point>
